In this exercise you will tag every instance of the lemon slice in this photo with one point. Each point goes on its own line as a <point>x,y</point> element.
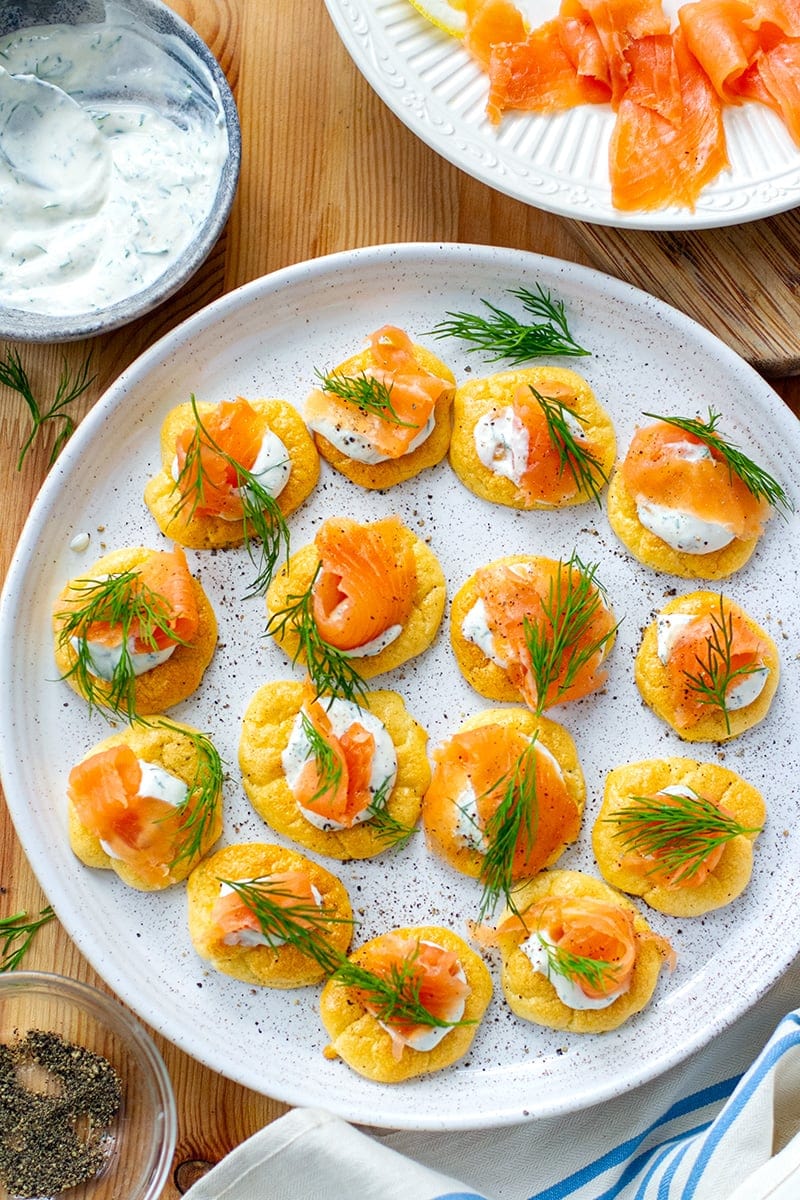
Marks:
<point>443,15</point>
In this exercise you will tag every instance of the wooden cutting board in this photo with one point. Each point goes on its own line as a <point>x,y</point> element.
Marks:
<point>741,282</point>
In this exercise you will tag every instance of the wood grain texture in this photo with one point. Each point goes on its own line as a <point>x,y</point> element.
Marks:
<point>742,282</point>
<point>326,166</point>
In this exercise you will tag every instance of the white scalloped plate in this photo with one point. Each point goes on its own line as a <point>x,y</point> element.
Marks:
<point>266,339</point>
<point>559,162</point>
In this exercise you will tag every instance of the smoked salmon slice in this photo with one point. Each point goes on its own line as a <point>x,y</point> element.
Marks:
<point>541,74</point>
<point>164,576</point>
<point>412,393</point>
<point>340,791</point>
<point>698,863</point>
<point>486,760</point>
<point>285,889</point>
<point>140,830</point>
<point>656,469</point>
<point>207,480</point>
<point>366,582</point>
<point>552,472</point>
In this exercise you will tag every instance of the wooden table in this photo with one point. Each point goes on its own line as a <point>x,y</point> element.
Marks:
<point>326,167</point>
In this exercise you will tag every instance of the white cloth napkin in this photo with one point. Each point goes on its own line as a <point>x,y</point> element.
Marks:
<point>702,1131</point>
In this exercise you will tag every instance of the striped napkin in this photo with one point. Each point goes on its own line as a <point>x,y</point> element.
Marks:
<point>723,1126</point>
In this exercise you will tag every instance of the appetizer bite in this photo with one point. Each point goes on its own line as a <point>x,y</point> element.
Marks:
<point>358,601</point>
<point>678,833</point>
<point>532,629</point>
<point>342,779</point>
<point>268,916</point>
<point>576,954</point>
<point>230,473</point>
<point>136,632</point>
<point>405,1004</point>
<point>688,502</point>
<point>146,803</point>
<point>505,799</point>
<point>534,438</point>
<point>706,668</point>
<point>383,415</point>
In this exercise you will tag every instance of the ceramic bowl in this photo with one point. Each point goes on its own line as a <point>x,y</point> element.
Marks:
<point>139,1143</point>
<point>207,91</point>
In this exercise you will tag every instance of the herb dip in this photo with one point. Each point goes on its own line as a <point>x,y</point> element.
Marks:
<point>94,211</point>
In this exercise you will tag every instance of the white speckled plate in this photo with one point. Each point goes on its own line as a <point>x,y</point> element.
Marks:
<point>555,162</point>
<point>266,339</point>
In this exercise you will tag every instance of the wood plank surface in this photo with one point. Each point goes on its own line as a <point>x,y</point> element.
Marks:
<point>325,167</point>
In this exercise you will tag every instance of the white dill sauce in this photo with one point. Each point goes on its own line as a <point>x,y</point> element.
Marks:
<point>93,211</point>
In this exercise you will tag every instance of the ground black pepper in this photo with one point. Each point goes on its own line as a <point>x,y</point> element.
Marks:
<point>57,1101</point>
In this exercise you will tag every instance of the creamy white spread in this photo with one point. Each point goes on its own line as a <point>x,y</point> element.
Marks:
<point>357,447</point>
<point>501,443</point>
<point>156,784</point>
<point>741,691</point>
<point>427,1037</point>
<point>374,645</point>
<point>342,714</point>
<point>248,938</point>
<point>682,531</point>
<point>103,659</point>
<point>475,629</point>
<point>97,202</point>
<point>568,991</point>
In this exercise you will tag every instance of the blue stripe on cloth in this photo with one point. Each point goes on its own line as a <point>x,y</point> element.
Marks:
<point>622,1153</point>
<point>761,1068</point>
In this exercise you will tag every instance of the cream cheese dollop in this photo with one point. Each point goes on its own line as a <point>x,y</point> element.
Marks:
<point>567,990</point>
<point>357,447</point>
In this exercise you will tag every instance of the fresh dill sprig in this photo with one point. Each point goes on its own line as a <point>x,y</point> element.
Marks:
<point>70,386</point>
<point>18,929</point>
<point>365,392</point>
<point>716,671</point>
<point>387,828</point>
<point>596,972</point>
<point>124,601</point>
<point>394,1000</point>
<point>326,761</point>
<point>302,924</point>
<point>198,812</point>
<point>554,643</point>
<point>515,820</point>
<point>262,517</point>
<point>329,669</point>
<point>502,336</point>
<point>757,481</point>
<point>678,831</point>
<point>585,467</point>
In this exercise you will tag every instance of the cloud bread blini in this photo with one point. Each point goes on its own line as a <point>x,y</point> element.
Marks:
<point>443,976</point>
<point>567,925</point>
<point>253,907</point>
<point>200,507</point>
<point>497,761</point>
<point>146,803</point>
<point>650,832</point>
<point>373,592</point>
<point>384,414</point>
<point>171,631</point>
<point>355,799</point>
<point>706,668</point>
<point>533,438</point>
<point>680,506</point>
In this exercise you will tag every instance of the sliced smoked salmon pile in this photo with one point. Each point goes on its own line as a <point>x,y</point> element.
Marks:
<point>545,596</point>
<point>284,889</point>
<point>140,830</point>
<point>657,470</point>
<point>432,977</point>
<point>171,595</point>
<point>209,482</point>
<point>691,655</point>
<point>487,759</point>
<point>342,790</point>
<point>750,51</point>
<point>697,865</point>
<point>367,580</point>
<point>412,392</point>
<point>547,477</point>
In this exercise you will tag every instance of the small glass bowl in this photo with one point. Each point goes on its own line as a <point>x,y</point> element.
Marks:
<point>141,1138</point>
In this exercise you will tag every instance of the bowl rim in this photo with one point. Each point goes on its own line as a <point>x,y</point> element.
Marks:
<point>53,328</point>
<point>103,1004</point>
